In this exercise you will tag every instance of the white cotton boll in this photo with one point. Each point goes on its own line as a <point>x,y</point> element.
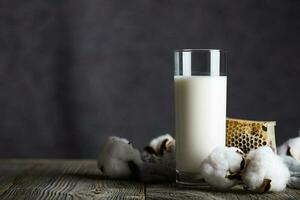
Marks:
<point>294,167</point>
<point>291,163</point>
<point>265,171</point>
<point>221,168</point>
<point>163,145</point>
<point>118,159</point>
<point>291,148</point>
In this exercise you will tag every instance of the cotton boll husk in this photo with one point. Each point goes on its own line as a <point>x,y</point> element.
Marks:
<point>163,145</point>
<point>263,164</point>
<point>291,148</point>
<point>223,162</point>
<point>118,159</point>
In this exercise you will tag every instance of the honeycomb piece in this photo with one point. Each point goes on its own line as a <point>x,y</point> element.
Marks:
<point>247,134</point>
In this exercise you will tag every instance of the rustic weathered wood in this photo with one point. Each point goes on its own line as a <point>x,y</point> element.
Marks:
<point>79,179</point>
<point>170,191</point>
<point>9,172</point>
<point>59,179</point>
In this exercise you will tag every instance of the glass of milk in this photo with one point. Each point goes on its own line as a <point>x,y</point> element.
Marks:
<point>200,109</point>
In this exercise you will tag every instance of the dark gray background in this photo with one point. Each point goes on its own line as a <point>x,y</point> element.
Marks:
<point>74,72</point>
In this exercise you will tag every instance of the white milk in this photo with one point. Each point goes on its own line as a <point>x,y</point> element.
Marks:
<point>200,106</point>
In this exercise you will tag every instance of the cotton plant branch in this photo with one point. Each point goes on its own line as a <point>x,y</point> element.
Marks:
<point>260,170</point>
<point>119,159</point>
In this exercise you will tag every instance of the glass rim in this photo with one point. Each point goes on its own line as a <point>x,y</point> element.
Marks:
<point>208,62</point>
<point>191,50</point>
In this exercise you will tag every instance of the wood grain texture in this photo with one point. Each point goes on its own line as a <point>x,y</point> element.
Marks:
<point>60,179</point>
<point>79,179</point>
<point>171,192</point>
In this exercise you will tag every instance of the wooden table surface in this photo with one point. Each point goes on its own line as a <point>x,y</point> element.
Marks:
<point>79,179</point>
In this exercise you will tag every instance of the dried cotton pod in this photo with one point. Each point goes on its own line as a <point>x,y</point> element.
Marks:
<point>163,145</point>
<point>222,167</point>
<point>291,148</point>
<point>265,171</point>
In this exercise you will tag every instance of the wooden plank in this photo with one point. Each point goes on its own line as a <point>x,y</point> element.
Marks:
<point>61,179</point>
<point>79,179</point>
<point>9,172</point>
<point>171,192</point>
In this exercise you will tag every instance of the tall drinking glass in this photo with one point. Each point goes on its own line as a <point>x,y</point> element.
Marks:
<point>200,108</point>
